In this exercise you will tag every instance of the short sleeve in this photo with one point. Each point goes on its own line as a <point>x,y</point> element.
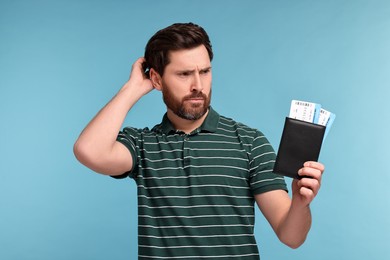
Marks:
<point>262,159</point>
<point>130,137</point>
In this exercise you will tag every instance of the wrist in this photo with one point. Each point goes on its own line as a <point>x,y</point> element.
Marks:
<point>131,92</point>
<point>298,203</point>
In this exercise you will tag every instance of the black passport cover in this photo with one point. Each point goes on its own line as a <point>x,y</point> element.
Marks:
<point>301,141</point>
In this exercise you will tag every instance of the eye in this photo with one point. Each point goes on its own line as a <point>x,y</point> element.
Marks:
<point>184,74</point>
<point>205,71</point>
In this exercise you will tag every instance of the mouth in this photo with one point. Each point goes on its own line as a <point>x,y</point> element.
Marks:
<point>196,98</point>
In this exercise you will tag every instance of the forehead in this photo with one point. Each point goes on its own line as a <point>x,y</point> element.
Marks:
<point>197,57</point>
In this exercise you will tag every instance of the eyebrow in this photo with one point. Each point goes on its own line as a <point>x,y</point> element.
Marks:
<point>207,68</point>
<point>192,71</point>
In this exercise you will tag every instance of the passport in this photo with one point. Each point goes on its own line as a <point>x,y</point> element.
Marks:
<point>301,142</point>
<point>303,134</point>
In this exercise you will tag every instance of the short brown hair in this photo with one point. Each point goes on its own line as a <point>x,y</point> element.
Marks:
<point>178,36</point>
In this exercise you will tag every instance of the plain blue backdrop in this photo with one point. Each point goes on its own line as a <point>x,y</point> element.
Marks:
<point>61,61</point>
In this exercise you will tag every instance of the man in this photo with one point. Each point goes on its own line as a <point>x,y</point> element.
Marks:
<point>198,173</point>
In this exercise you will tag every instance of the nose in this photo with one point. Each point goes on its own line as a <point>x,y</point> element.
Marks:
<point>196,85</point>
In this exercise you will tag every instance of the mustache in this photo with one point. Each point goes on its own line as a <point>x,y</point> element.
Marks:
<point>196,95</point>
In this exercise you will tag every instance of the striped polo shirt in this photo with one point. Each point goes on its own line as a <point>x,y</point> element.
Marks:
<point>196,191</point>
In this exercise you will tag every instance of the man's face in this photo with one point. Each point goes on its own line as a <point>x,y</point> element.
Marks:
<point>186,83</point>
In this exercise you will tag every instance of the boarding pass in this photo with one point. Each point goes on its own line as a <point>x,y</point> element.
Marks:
<point>312,113</point>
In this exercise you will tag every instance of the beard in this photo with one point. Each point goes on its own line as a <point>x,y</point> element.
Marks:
<point>184,109</point>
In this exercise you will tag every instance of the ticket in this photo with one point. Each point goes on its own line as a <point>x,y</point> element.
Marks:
<point>305,111</point>
<point>313,113</point>
<point>326,118</point>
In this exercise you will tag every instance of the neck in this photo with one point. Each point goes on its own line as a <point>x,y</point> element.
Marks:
<point>181,124</point>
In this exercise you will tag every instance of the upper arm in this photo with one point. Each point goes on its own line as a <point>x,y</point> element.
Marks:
<point>122,160</point>
<point>274,205</point>
<point>114,162</point>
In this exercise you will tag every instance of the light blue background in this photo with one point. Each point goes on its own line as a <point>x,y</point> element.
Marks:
<point>61,61</point>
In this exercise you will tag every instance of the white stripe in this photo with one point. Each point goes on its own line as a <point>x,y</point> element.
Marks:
<point>191,207</point>
<point>163,151</point>
<point>197,257</point>
<point>198,216</point>
<point>194,196</point>
<point>212,141</point>
<point>205,236</point>
<point>193,176</point>
<point>194,158</point>
<point>204,226</point>
<point>238,129</point>
<point>230,158</point>
<point>258,137</point>
<point>260,172</point>
<point>221,135</point>
<point>239,126</point>
<point>162,169</point>
<point>216,142</point>
<point>191,186</point>
<point>163,135</point>
<point>163,142</point>
<point>263,163</point>
<point>267,162</point>
<point>234,130</point>
<point>160,160</point>
<point>267,180</point>
<point>215,246</point>
<point>195,166</point>
<point>216,166</point>
<point>260,146</point>
<point>258,156</point>
<point>193,149</point>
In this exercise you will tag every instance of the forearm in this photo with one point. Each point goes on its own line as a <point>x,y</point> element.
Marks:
<point>295,226</point>
<point>291,218</point>
<point>102,130</point>
<point>97,140</point>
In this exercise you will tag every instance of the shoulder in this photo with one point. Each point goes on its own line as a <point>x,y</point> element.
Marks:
<point>135,133</point>
<point>134,130</point>
<point>252,139</point>
<point>241,129</point>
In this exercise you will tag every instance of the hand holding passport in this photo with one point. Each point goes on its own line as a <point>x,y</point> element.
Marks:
<point>303,133</point>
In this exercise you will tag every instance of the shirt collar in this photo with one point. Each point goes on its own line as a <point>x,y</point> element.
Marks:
<point>210,123</point>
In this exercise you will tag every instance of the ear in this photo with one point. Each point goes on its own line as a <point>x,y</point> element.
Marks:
<point>156,79</point>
